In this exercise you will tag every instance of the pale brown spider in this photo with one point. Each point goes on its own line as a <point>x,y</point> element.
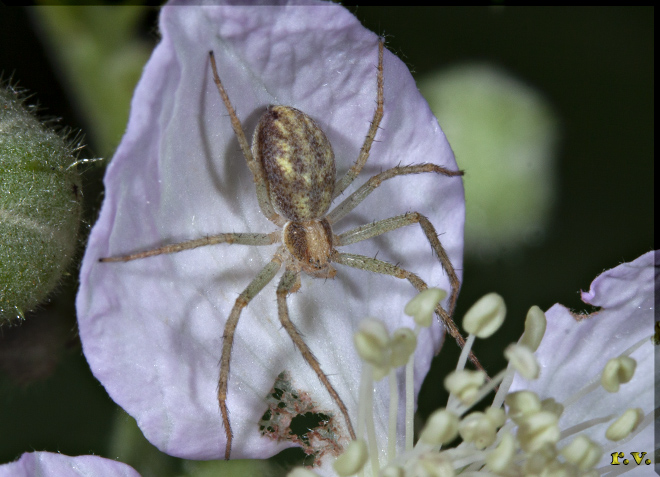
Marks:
<point>293,166</point>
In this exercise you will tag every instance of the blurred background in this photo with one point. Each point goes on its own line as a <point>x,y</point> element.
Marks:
<point>549,112</point>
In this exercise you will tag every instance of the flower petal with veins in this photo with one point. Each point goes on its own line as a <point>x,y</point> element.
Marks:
<point>575,349</point>
<point>152,328</point>
<point>47,464</point>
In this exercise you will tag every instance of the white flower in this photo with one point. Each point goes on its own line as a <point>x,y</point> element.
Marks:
<point>563,422</point>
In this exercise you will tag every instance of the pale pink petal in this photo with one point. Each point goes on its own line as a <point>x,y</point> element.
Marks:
<point>574,351</point>
<point>48,464</point>
<point>152,329</point>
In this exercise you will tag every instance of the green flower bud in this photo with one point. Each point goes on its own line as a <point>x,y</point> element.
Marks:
<point>40,205</point>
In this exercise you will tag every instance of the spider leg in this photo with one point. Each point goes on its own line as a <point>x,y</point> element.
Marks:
<point>288,282</point>
<point>383,226</point>
<point>232,238</point>
<point>256,169</point>
<point>379,266</point>
<point>355,169</point>
<point>368,187</point>
<point>260,281</point>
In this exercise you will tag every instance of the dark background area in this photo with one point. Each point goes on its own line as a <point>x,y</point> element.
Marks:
<point>595,66</point>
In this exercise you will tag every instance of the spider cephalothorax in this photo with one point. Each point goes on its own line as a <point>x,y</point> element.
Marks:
<point>293,166</point>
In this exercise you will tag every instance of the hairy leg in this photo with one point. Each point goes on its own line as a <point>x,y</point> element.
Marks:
<point>255,167</point>
<point>368,187</point>
<point>355,169</point>
<point>383,226</point>
<point>261,280</point>
<point>288,282</point>
<point>233,238</point>
<point>379,266</point>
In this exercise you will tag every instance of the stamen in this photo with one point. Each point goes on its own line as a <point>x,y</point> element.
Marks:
<point>410,402</point>
<point>352,460</point>
<point>582,452</point>
<point>538,429</point>
<point>393,411</point>
<point>585,425</point>
<point>465,352</point>
<point>464,385</point>
<point>481,428</point>
<point>486,316</point>
<point>501,458</point>
<point>522,404</point>
<point>523,360</point>
<point>625,424</point>
<point>441,428</point>
<point>535,324</point>
<point>616,372</point>
<point>422,307</point>
<point>402,345</point>
<point>372,341</point>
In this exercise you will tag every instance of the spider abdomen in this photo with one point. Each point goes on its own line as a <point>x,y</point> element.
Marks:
<point>298,163</point>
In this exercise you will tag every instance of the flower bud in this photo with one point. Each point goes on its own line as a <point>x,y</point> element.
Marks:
<point>40,196</point>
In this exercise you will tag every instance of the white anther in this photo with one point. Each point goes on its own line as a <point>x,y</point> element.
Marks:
<point>582,452</point>
<point>523,360</point>
<point>433,464</point>
<point>625,424</point>
<point>353,459</point>
<point>485,316</point>
<point>550,405</point>
<point>372,342</point>
<point>440,428</point>
<point>616,372</point>
<point>501,457</point>
<point>392,471</point>
<point>301,472</point>
<point>522,404</point>
<point>421,307</point>
<point>538,429</point>
<point>479,429</point>
<point>539,459</point>
<point>402,345</point>
<point>496,415</point>
<point>535,325</point>
<point>465,384</point>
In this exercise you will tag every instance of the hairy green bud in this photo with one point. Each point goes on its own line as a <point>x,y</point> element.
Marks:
<point>40,206</point>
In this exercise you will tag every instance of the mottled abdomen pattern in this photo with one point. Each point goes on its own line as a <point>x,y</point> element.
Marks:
<point>298,162</point>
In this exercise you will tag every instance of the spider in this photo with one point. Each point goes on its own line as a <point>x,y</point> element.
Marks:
<point>293,166</point>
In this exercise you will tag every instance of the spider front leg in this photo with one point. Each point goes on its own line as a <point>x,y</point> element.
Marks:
<point>379,266</point>
<point>260,281</point>
<point>355,169</point>
<point>353,200</point>
<point>291,281</point>
<point>383,226</point>
<point>257,172</point>
<point>232,238</point>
